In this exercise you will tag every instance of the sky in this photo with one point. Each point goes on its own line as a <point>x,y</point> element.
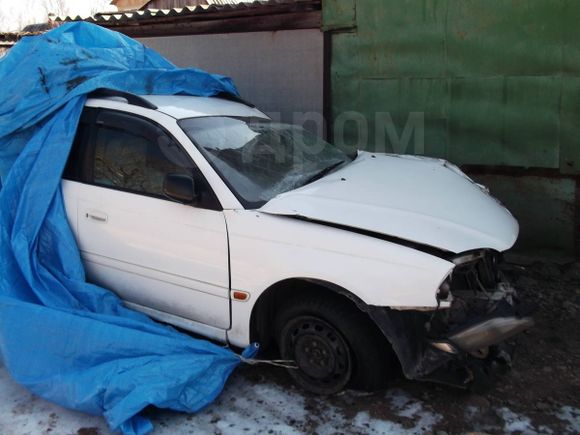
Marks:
<point>15,14</point>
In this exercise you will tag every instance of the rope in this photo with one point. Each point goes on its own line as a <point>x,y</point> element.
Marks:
<point>285,363</point>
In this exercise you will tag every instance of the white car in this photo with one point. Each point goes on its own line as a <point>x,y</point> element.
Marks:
<point>205,214</point>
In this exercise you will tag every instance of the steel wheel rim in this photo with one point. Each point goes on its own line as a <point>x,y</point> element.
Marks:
<point>321,353</point>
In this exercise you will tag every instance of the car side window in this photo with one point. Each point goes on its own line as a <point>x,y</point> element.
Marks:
<point>121,151</point>
<point>136,160</point>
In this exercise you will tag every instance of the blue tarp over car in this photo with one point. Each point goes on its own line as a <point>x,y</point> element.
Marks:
<point>66,340</point>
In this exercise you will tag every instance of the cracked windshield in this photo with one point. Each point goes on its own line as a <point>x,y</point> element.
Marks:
<point>260,159</point>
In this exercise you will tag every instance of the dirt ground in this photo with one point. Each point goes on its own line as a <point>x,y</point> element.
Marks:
<point>539,395</point>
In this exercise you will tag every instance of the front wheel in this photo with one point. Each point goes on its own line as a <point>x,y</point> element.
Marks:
<point>334,345</point>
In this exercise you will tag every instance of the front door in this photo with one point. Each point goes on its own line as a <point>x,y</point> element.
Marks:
<point>150,250</point>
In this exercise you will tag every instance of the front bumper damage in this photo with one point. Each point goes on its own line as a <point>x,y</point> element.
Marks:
<point>466,342</point>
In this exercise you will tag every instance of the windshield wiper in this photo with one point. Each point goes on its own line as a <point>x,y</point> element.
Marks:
<point>323,172</point>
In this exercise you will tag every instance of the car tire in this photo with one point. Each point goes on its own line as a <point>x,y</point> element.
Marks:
<point>334,344</point>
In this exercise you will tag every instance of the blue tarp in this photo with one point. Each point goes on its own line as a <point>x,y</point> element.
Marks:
<point>68,341</point>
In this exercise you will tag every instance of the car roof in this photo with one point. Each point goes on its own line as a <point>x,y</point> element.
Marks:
<point>184,106</point>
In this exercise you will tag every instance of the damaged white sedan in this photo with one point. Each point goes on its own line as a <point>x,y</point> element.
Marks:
<point>207,215</point>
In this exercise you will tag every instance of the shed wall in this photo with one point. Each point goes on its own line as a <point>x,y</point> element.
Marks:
<point>281,72</point>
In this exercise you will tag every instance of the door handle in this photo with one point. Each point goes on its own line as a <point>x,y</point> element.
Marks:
<point>96,216</point>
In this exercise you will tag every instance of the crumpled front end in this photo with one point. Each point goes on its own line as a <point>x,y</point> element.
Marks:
<point>468,336</point>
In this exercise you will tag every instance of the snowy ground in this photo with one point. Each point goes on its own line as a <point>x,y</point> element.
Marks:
<point>248,406</point>
<point>245,407</point>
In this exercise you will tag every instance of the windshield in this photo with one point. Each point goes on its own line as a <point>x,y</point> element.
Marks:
<point>260,159</point>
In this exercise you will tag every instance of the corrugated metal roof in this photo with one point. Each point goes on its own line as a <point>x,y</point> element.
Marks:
<point>8,39</point>
<point>217,6</point>
<point>38,27</point>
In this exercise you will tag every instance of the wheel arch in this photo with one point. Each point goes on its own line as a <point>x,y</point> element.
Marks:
<point>269,301</point>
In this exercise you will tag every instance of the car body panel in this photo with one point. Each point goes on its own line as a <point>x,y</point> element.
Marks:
<point>154,252</point>
<point>422,200</point>
<point>267,249</point>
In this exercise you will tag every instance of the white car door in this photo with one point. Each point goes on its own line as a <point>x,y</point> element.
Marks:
<point>151,251</point>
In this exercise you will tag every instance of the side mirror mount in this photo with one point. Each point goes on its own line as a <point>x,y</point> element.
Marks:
<point>180,188</point>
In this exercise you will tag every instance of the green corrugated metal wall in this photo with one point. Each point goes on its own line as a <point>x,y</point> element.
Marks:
<point>498,82</point>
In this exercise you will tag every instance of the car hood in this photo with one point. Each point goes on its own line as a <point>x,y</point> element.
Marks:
<point>419,199</point>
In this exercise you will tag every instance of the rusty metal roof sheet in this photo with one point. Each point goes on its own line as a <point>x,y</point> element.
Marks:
<point>8,39</point>
<point>217,6</point>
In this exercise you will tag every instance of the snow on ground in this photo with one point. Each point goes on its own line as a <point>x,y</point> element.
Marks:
<point>521,424</point>
<point>244,407</point>
<point>266,407</point>
<point>514,422</point>
<point>571,416</point>
<point>22,413</point>
<point>269,408</point>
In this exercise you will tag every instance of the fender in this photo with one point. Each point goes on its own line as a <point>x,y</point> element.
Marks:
<point>376,271</point>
